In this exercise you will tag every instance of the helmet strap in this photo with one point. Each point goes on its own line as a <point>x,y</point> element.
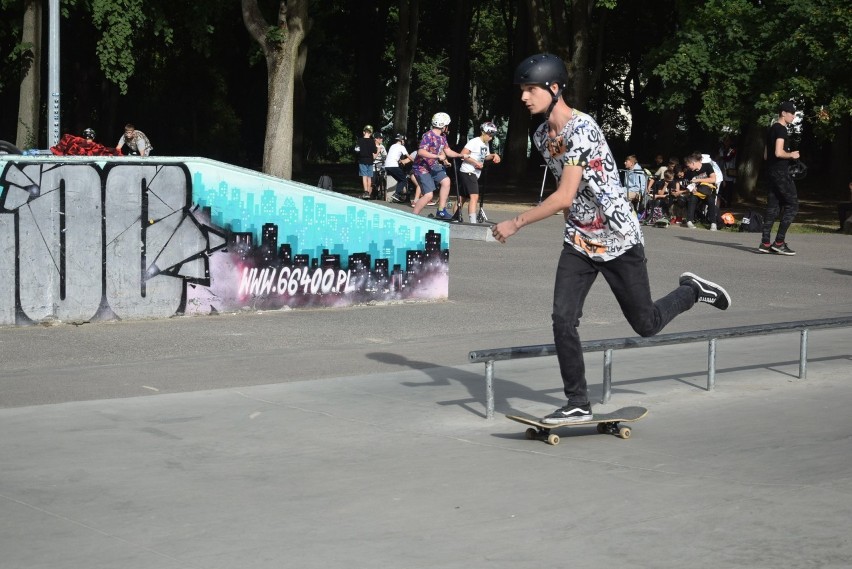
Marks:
<point>556,96</point>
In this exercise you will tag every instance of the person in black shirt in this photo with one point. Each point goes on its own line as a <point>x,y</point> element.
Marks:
<point>702,187</point>
<point>367,151</point>
<point>782,190</point>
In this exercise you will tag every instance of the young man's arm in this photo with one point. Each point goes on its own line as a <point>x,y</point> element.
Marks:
<point>559,200</point>
<point>781,153</point>
<point>425,152</point>
<point>467,157</point>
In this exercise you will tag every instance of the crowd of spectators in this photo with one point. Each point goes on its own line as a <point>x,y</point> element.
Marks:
<point>687,192</point>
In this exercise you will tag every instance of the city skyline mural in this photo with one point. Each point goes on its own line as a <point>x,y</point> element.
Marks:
<point>207,237</point>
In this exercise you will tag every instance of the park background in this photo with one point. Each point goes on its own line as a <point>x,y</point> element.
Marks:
<point>285,87</point>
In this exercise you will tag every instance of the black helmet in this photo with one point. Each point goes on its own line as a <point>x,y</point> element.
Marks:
<point>543,69</point>
<point>89,133</point>
<point>378,134</point>
<point>399,136</point>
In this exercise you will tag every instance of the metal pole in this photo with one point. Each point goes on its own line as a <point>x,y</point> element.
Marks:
<point>607,377</point>
<point>711,365</point>
<point>53,126</point>
<point>489,389</point>
<point>803,354</point>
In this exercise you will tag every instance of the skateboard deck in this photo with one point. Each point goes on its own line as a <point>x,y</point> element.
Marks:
<point>607,423</point>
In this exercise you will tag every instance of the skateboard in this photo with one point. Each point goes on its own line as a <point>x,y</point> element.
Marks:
<point>607,423</point>
<point>663,222</point>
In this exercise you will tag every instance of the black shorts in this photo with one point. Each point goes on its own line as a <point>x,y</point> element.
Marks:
<point>469,184</point>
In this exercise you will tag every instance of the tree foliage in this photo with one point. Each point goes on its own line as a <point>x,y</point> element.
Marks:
<point>685,71</point>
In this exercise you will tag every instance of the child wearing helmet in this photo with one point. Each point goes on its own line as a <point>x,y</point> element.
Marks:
<point>601,234</point>
<point>395,163</point>
<point>430,165</point>
<point>474,155</point>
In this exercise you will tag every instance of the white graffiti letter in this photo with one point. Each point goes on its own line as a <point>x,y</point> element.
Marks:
<point>144,212</point>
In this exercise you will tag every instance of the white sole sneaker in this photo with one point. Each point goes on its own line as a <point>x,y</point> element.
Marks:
<point>709,292</point>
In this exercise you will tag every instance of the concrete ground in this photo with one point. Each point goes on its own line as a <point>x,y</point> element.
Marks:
<point>357,437</point>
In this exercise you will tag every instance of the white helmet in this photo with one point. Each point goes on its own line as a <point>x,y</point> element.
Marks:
<point>440,120</point>
<point>489,128</point>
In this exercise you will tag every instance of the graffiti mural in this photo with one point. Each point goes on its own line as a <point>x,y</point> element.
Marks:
<point>85,240</point>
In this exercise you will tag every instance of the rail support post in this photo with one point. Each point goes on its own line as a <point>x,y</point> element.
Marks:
<point>607,377</point>
<point>489,389</point>
<point>711,364</point>
<point>803,354</point>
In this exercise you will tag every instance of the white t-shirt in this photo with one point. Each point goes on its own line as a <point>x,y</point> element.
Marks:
<point>397,151</point>
<point>478,151</point>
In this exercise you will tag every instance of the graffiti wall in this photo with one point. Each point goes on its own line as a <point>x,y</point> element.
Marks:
<point>85,239</point>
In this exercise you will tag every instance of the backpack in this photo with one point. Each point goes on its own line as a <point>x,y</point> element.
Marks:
<point>752,222</point>
<point>716,169</point>
<point>324,183</point>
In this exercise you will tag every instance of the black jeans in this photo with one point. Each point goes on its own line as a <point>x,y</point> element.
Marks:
<point>782,199</point>
<point>693,206</point>
<point>627,276</point>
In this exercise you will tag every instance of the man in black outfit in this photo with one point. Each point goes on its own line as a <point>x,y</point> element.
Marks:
<point>367,151</point>
<point>782,190</point>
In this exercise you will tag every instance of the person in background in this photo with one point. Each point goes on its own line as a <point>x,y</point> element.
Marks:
<point>474,156</point>
<point>430,165</point>
<point>702,187</point>
<point>134,142</point>
<point>782,198</point>
<point>398,159</point>
<point>635,182</point>
<point>366,150</point>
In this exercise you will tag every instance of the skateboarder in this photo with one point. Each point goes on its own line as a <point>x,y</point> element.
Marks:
<point>602,234</point>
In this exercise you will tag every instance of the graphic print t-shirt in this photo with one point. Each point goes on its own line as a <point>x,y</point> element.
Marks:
<point>432,143</point>
<point>600,222</point>
<point>478,151</point>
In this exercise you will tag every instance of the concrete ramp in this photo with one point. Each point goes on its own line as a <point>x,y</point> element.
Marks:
<point>101,238</point>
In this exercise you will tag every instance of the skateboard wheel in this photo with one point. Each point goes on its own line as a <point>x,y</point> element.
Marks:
<point>530,434</point>
<point>624,432</point>
<point>601,428</point>
<point>553,439</point>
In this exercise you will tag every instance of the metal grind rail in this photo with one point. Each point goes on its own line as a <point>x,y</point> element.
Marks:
<point>608,345</point>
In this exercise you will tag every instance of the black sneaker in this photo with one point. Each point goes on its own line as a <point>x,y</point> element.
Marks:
<point>782,249</point>
<point>569,414</point>
<point>708,292</point>
<point>764,248</point>
<point>396,198</point>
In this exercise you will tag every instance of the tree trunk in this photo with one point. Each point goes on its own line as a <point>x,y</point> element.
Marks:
<point>364,13</point>
<point>839,152</point>
<point>28,104</point>
<point>406,45</point>
<point>577,92</point>
<point>518,137</point>
<point>458,95</point>
<point>750,161</point>
<point>299,97</point>
<point>281,50</point>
